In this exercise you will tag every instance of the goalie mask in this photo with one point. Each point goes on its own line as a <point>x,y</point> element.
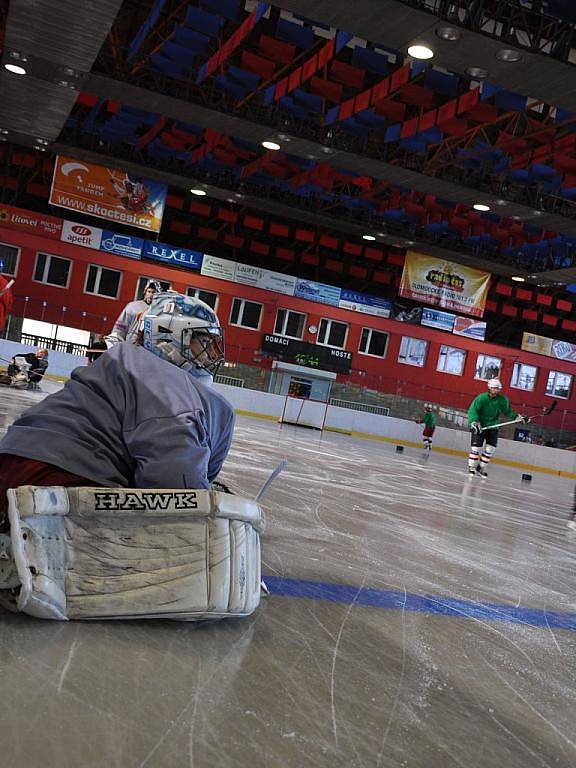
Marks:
<point>184,331</point>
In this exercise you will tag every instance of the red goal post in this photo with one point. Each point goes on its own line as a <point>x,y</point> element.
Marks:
<point>304,412</point>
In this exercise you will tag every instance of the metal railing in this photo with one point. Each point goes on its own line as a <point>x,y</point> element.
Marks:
<point>57,345</point>
<point>366,407</point>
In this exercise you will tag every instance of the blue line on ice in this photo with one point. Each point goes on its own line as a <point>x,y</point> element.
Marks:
<point>439,606</point>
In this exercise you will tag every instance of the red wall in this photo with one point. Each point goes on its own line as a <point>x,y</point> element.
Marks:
<point>242,344</point>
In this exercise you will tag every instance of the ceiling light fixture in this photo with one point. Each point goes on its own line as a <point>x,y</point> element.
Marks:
<point>537,213</point>
<point>477,73</point>
<point>420,51</point>
<point>199,192</point>
<point>44,142</point>
<point>368,237</point>
<point>518,279</point>
<point>501,202</point>
<point>272,145</point>
<point>284,137</point>
<point>509,55</point>
<point>4,131</point>
<point>15,69</point>
<point>481,207</point>
<point>451,34</point>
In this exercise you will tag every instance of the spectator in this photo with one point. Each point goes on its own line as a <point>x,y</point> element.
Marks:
<point>34,364</point>
<point>97,347</point>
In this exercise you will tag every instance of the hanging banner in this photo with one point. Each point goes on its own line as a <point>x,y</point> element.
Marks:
<point>435,318</point>
<point>444,284</point>
<point>324,294</point>
<point>362,302</point>
<point>26,221</point>
<point>121,245</point>
<point>81,234</point>
<point>176,257</point>
<point>108,194</point>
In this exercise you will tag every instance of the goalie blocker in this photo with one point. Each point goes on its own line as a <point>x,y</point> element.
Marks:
<point>115,553</point>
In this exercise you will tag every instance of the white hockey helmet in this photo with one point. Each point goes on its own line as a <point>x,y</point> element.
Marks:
<point>494,384</point>
<point>184,331</point>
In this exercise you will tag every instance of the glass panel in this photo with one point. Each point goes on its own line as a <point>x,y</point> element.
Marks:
<point>251,314</point>
<point>524,376</point>
<point>8,259</point>
<point>378,342</point>
<point>109,282</point>
<point>337,334</point>
<point>279,324</point>
<point>324,324</point>
<point>451,360</point>
<point>208,297</point>
<point>91,281</point>
<point>559,384</point>
<point>294,325</point>
<point>58,270</point>
<point>39,269</point>
<point>487,367</point>
<point>236,304</point>
<point>364,339</point>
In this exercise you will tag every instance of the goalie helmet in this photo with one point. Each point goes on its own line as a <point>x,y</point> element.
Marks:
<point>494,384</point>
<point>184,331</point>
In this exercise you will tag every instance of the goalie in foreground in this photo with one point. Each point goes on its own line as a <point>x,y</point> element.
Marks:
<point>142,417</point>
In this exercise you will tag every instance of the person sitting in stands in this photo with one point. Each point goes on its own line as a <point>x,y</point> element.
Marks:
<point>34,363</point>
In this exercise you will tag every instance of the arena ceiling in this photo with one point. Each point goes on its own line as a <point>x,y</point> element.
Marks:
<point>371,141</point>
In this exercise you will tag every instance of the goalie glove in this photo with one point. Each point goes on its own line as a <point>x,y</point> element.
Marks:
<point>476,428</point>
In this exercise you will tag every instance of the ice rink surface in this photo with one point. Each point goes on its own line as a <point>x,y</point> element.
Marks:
<point>418,619</point>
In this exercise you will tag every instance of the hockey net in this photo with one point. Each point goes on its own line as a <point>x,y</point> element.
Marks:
<point>304,412</point>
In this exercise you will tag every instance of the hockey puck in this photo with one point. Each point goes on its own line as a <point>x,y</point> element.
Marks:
<point>526,478</point>
<point>399,449</point>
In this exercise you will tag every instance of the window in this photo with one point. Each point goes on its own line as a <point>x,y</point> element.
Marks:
<point>208,297</point>
<point>52,270</point>
<point>245,313</point>
<point>103,281</point>
<point>289,323</point>
<point>143,282</point>
<point>373,342</point>
<point>413,351</point>
<point>332,333</point>
<point>451,360</point>
<point>9,255</point>
<point>559,384</point>
<point>487,367</point>
<point>524,376</point>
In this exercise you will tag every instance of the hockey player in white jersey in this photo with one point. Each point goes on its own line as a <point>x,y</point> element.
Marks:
<point>128,323</point>
<point>144,416</point>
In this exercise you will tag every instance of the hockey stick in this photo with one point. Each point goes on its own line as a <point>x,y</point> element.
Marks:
<point>545,412</point>
<point>283,464</point>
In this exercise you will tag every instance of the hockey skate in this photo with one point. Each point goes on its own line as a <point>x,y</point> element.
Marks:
<point>116,553</point>
<point>482,473</point>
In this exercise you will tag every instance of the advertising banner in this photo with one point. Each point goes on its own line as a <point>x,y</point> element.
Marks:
<point>403,314</point>
<point>222,269</point>
<point>26,221</point>
<point>445,284</point>
<point>324,294</point>
<point>467,326</point>
<point>541,345</point>
<point>309,355</point>
<point>362,302</point>
<point>276,281</point>
<point>435,318</point>
<point>108,193</point>
<point>176,257</point>
<point>81,234</point>
<point>121,245</point>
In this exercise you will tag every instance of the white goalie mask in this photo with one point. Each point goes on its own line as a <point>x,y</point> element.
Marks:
<point>184,331</point>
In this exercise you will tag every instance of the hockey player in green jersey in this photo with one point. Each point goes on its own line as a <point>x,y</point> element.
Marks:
<point>484,412</point>
<point>429,422</point>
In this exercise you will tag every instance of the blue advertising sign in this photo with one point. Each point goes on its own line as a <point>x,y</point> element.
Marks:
<point>362,302</point>
<point>437,319</point>
<point>324,294</point>
<point>121,245</point>
<point>178,257</point>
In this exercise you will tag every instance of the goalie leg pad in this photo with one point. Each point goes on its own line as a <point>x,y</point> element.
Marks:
<point>95,553</point>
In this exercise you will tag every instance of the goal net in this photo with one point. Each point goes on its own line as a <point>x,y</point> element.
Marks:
<point>304,412</point>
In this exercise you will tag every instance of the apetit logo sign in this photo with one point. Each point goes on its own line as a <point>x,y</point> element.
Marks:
<point>81,234</point>
<point>108,193</point>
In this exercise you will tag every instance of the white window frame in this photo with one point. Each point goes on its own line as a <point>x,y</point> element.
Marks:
<point>553,374</point>
<point>96,292</point>
<point>243,303</point>
<point>285,323</point>
<point>329,322</point>
<point>517,376</point>
<point>140,291</point>
<point>18,252</point>
<point>193,292</point>
<point>445,350</point>
<point>369,339</point>
<point>484,376</point>
<point>49,257</point>
<point>404,357</point>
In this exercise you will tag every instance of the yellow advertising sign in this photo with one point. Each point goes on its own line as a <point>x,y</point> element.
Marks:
<point>445,284</point>
<point>108,193</point>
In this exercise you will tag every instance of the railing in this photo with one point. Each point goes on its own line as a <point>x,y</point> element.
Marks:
<point>229,380</point>
<point>56,344</point>
<point>366,407</point>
